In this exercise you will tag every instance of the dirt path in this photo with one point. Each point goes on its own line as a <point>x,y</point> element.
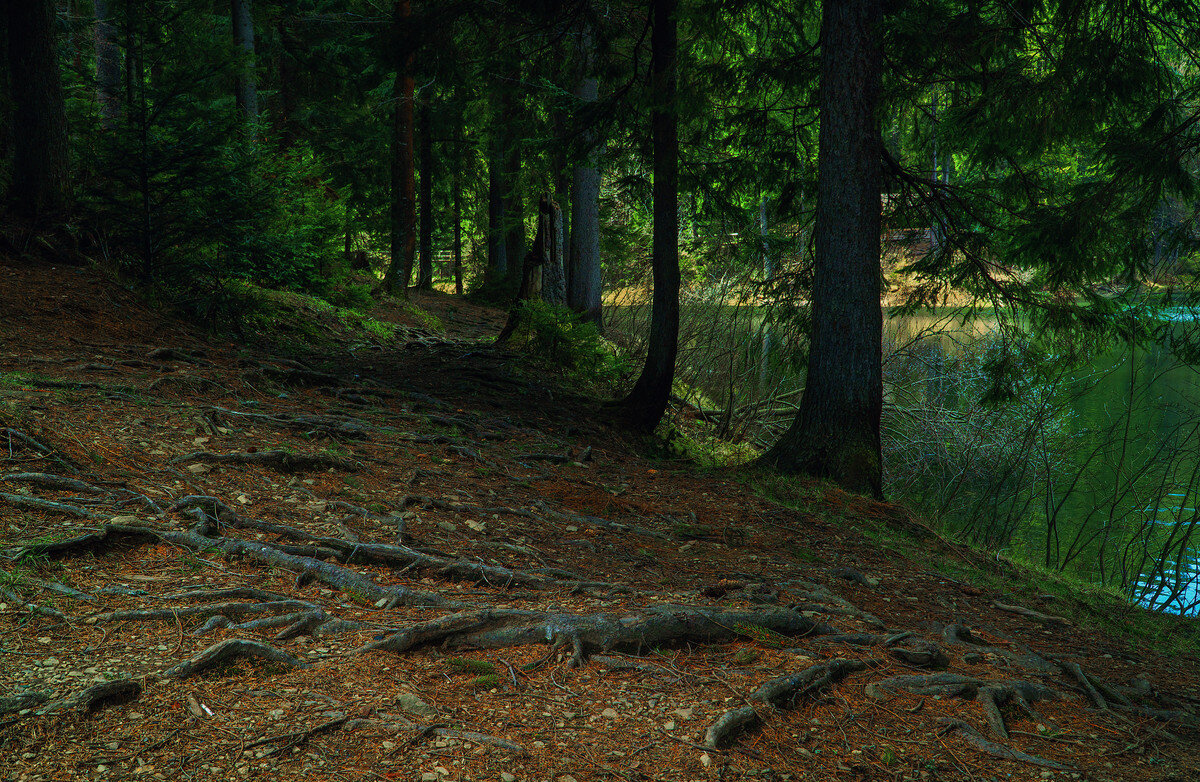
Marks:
<point>412,559</point>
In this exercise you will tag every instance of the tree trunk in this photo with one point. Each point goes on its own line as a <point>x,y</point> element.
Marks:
<point>108,67</point>
<point>403,186</point>
<point>644,406</point>
<point>836,431</point>
<point>425,273</point>
<point>456,199</point>
<point>497,257</point>
<point>554,281</point>
<point>584,293</point>
<point>40,171</point>
<point>243,38</point>
<point>288,73</point>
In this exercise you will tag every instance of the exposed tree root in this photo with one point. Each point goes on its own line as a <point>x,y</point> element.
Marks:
<point>396,723</point>
<point>976,738</point>
<point>214,609</point>
<point>904,646</point>
<point>775,693</point>
<point>329,425</point>
<point>989,694</point>
<point>13,597</point>
<point>504,627</point>
<point>49,481</point>
<point>334,576</point>
<point>27,700</point>
<point>232,649</point>
<point>97,697</point>
<point>276,460</point>
<point>48,506</point>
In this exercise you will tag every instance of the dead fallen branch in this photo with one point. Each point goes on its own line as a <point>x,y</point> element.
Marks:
<point>775,693</point>
<point>990,695</point>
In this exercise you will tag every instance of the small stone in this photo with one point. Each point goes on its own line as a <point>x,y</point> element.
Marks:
<point>610,713</point>
<point>442,770</point>
<point>507,777</point>
<point>196,469</point>
<point>124,519</point>
<point>669,725</point>
<point>429,776</point>
<point>45,639</point>
<point>705,760</point>
<point>566,778</point>
<point>389,745</point>
<point>447,526</point>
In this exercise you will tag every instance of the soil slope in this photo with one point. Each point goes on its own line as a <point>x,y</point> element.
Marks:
<point>412,559</point>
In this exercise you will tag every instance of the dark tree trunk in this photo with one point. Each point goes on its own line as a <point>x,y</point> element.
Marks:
<point>40,170</point>
<point>644,406</point>
<point>497,257</point>
<point>456,208</point>
<point>108,67</point>
<point>541,269</point>
<point>584,289</point>
<point>403,186</point>
<point>554,281</point>
<point>425,274</point>
<point>288,72</point>
<point>243,39</point>
<point>836,431</point>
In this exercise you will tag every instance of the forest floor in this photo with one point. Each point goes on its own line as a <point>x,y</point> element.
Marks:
<point>320,554</point>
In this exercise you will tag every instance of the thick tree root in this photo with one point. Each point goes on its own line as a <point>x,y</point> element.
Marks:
<point>47,506</point>
<point>47,481</point>
<point>504,627</point>
<point>776,693</point>
<point>199,612</point>
<point>904,646</point>
<point>97,697</point>
<point>276,460</point>
<point>13,597</point>
<point>232,649</point>
<point>334,576</point>
<point>999,750</point>
<point>23,701</point>
<point>989,694</point>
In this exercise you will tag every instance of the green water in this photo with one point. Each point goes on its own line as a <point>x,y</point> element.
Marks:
<point>1095,468</point>
<point>1092,468</point>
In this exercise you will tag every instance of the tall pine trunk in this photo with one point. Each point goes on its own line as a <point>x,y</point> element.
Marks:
<point>243,38</point>
<point>40,172</point>
<point>425,273</point>
<point>835,433</point>
<point>497,250</point>
<point>584,291</point>
<point>108,67</point>
<point>403,185</point>
<point>456,208</point>
<point>645,405</point>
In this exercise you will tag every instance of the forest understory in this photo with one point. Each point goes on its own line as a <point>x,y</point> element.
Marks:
<point>417,558</point>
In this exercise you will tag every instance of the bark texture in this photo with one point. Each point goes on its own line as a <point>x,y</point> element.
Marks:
<point>40,170</point>
<point>583,295</point>
<point>425,273</point>
<point>835,433</point>
<point>403,185</point>
<point>243,39</point>
<point>644,406</point>
<point>108,67</point>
